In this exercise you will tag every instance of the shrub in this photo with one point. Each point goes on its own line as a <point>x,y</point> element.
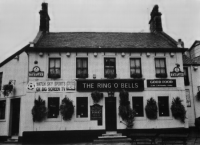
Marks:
<point>39,111</point>
<point>67,109</point>
<point>151,109</point>
<point>178,109</point>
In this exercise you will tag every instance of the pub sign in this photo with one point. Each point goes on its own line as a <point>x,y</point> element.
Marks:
<point>161,83</point>
<point>177,72</point>
<point>114,85</point>
<point>96,113</point>
<point>36,72</point>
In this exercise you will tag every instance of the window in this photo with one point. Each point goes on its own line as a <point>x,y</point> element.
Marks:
<point>54,67</point>
<point>188,100</point>
<point>109,68</point>
<point>163,105</point>
<point>1,77</point>
<point>81,67</point>
<point>2,109</point>
<point>160,66</point>
<point>82,107</point>
<point>186,77</point>
<point>138,106</point>
<point>135,68</point>
<point>53,107</point>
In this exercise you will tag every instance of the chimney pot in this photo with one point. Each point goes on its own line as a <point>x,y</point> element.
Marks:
<point>44,18</point>
<point>180,43</point>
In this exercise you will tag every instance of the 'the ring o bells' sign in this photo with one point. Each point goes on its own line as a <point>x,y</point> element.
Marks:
<point>114,85</point>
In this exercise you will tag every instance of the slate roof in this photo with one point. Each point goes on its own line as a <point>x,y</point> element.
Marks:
<point>104,40</point>
<point>187,60</point>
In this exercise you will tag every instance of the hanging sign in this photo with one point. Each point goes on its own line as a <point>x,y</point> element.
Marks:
<point>177,72</point>
<point>114,85</point>
<point>96,113</point>
<point>36,72</point>
<point>161,83</point>
<point>51,86</point>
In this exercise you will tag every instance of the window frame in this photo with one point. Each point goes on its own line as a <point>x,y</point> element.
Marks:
<point>109,75</point>
<point>138,115</point>
<point>161,75</point>
<point>186,76</point>
<point>4,109</point>
<point>57,111</point>
<point>54,75</point>
<point>168,107</point>
<point>77,108</point>
<point>1,80</point>
<point>82,68</point>
<point>140,68</point>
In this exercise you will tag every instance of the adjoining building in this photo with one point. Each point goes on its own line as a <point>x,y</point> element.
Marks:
<point>74,64</point>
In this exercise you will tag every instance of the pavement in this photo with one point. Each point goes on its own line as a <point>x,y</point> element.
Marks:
<point>193,139</point>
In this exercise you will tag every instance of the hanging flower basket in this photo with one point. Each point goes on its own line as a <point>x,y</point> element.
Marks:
<point>125,111</point>
<point>96,96</point>
<point>7,89</point>
<point>178,109</point>
<point>39,110</point>
<point>67,109</point>
<point>198,96</point>
<point>151,109</point>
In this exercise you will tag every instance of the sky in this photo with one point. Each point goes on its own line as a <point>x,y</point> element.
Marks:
<point>19,19</point>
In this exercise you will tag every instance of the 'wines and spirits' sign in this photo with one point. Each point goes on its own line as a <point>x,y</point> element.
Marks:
<point>161,83</point>
<point>114,85</point>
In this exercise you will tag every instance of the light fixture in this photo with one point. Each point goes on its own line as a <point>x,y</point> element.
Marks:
<point>111,93</point>
<point>41,54</point>
<point>68,54</point>
<point>95,54</point>
<point>31,44</point>
<point>195,68</point>
<point>123,54</point>
<point>172,54</point>
<point>94,76</point>
<point>148,54</point>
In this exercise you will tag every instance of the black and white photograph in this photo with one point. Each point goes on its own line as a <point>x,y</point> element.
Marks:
<point>99,72</point>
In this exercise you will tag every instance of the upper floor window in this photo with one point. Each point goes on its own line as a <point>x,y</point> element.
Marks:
<point>163,105</point>
<point>160,67</point>
<point>54,68</point>
<point>82,107</point>
<point>109,68</point>
<point>186,76</point>
<point>81,67</point>
<point>53,107</point>
<point>2,109</point>
<point>135,68</point>
<point>1,77</point>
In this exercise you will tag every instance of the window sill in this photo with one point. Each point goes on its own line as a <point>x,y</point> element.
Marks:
<point>82,119</point>
<point>54,119</point>
<point>2,120</point>
<point>140,118</point>
<point>165,118</point>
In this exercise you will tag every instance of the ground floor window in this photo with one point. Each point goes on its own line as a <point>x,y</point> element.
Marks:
<point>2,109</point>
<point>138,106</point>
<point>163,105</point>
<point>82,107</point>
<point>53,107</point>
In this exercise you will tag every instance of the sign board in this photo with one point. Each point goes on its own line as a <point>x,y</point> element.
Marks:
<point>96,113</point>
<point>177,72</point>
<point>114,85</point>
<point>51,86</point>
<point>36,72</point>
<point>161,83</point>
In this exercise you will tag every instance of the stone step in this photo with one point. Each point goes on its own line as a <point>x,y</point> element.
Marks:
<point>111,132</point>
<point>117,134</point>
<point>116,140</point>
<point>111,137</point>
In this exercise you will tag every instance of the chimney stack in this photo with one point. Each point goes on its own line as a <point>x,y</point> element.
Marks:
<point>156,21</point>
<point>180,43</point>
<point>44,18</point>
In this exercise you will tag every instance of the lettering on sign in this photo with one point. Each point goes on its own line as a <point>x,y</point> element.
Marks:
<point>96,113</point>
<point>161,83</point>
<point>36,72</point>
<point>177,72</point>
<point>105,85</point>
<point>51,86</point>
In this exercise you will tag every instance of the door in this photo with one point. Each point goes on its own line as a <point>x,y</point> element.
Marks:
<point>14,116</point>
<point>110,109</point>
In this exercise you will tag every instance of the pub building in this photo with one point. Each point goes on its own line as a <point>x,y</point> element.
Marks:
<point>75,64</point>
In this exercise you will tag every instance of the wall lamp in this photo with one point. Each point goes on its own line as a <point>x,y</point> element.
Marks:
<point>41,54</point>
<point>68,54</point>
<point>123,54</point>
<point>95,54</point>
<point>195,68</point>
<point>148,54</point>
<point>172,54</point>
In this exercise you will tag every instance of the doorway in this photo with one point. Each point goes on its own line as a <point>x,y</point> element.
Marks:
<point>110,107</point>
<point>14,116</point>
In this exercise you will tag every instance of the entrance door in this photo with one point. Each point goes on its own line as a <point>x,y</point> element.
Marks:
<point>14,116</point>
<point>111,120</point>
